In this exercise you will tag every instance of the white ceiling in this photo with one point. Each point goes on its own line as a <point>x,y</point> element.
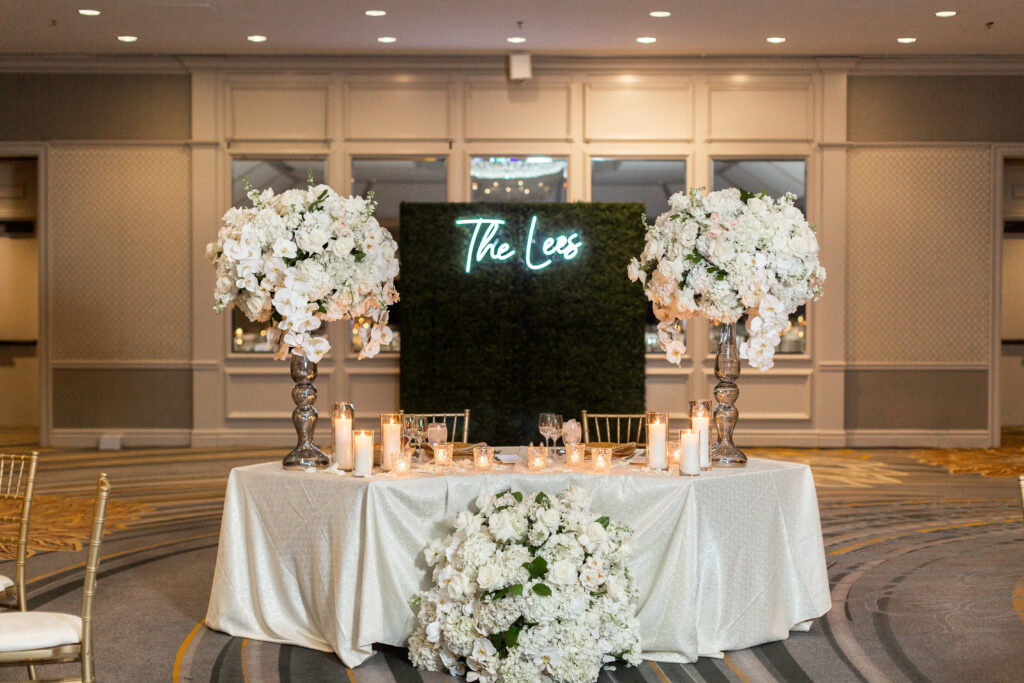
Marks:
<point>555,27</point>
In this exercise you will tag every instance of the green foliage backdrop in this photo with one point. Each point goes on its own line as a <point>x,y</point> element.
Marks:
<point>509,343</point>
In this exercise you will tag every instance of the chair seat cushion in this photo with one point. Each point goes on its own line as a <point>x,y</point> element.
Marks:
<point>38,630</point>
<point>5,583</point>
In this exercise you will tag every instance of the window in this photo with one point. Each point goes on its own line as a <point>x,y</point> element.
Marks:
<point>518,179</point>
<point>776,177</point>
<point>280,175</point>
<point>651,181</point>
<point>393,181</point>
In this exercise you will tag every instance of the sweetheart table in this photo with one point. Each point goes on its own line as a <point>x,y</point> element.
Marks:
<point>724,561</point>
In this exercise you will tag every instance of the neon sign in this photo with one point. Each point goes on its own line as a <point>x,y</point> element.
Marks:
<point>489,245</point>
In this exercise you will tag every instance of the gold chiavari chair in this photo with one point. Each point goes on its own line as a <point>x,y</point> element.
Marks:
<point>614,427</point>
<point>451,420</point>
<point>30,638</point>
<point>17,482</point>
<point>1020,483</point>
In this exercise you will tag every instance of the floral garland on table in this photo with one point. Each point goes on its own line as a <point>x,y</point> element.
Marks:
<point>302,257</point>
<point>723,253</point>
<point>528,589</point>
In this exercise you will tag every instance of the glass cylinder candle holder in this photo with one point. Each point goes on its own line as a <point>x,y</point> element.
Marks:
<point>342,417</point>
<point>700,422</point>
<point>602,458</point>
<point>443,453</point>
<point>574,454</point>
<point>362,445</point>
<point>689,462</point>
<point>483,458</point>
<point>673,454</point>
<point>657,440</point>
<point>537,458</point>
<point>390,439</point>
<point>402,462</point>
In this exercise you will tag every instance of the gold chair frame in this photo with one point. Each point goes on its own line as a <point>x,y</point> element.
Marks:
<point>81,651</point>
<point>17,482</point>
<point>614,420</point>
<point>445,417</point>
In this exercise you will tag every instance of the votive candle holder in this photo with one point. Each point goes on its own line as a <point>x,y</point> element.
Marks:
<point>402,462</point>
<point>537,458</point>
<point>483,458</point>
<point>574,455</point>
<point>443,453</point>
<point>602,459</point>
<point>674,450</point>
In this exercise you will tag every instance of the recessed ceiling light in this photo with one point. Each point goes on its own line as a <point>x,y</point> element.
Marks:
<point>946,13</point>
<point>127,39</point>
<point>386,39</point>
<point>256,39</point>
<point>375,13</point>
<point>515,39</point>
<point>89,12</point>
<point>776,39</point>
<point>906,41</point>
<point>646,39</point>
<point>660,14</point>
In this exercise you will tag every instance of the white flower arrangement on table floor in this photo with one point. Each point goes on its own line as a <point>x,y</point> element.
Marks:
<point>302,257</point>
<point>528,589</point>
<point>723,253</point>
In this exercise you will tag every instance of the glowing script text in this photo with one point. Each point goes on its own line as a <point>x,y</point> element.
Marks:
<point>489,245</point>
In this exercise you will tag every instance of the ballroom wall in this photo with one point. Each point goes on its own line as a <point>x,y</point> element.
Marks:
<point>902,191</point>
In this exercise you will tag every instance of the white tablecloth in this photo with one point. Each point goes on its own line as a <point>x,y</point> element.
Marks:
<point>724,561</point>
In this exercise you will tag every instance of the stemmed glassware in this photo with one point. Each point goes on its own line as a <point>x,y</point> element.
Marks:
<point>413,426</point>
<point>550,426</point>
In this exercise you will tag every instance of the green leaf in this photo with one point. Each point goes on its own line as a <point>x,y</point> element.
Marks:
<point>541,589</point>
<point>359,256</point>
<point>515,589</point>
<point>603,521</point>
<point>512,636</point>
<point>542,499</point>
<point>518,496</point>
<point>537,568</point>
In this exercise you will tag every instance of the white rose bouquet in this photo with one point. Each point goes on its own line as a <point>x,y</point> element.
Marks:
<point>528,589</point>
<point>725,253</point>
<point>302,257</point>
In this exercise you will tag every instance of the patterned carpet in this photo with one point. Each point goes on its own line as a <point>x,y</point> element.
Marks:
<point>925,551</point>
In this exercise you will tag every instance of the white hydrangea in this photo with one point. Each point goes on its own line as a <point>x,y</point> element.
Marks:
<point>719,256</point>
<point>303,257</point>
<point>528,589</point>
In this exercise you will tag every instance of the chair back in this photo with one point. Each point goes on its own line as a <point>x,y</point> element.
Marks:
<point>17,483</point>
<point>614,427</point>
<point>451,420</point>
<point>91,566</point>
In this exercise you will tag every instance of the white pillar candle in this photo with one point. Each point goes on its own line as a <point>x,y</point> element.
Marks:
<point>701,426</point>
<point>689,463</point>
<point>343,442</point>
<point>390,442</point>
<point>363,440</point>
<point>657,433</point>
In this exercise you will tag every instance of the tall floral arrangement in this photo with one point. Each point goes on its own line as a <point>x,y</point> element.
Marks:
<point>528,589</point>
<point>725,253</point>
<point>303,257</point>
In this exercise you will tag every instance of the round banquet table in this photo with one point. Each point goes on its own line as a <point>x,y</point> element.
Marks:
<point>724,561</point>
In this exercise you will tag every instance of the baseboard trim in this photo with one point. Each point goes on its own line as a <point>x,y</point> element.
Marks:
<point>130,438</point>
<point>796,438</point>
<point>911,438</point>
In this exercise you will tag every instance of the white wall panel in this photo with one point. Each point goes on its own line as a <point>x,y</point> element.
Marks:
<point>774,395</point>
<point>397,112</point>
<point>643,112</point>
<point>768,111</point>
<point>509,111</point>
<point>278,113</point>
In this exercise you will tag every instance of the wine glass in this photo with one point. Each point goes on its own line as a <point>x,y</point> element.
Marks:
<point>556,428</point>
<point>414,426</point>
<point>437,432</point>
<point>544,425</point>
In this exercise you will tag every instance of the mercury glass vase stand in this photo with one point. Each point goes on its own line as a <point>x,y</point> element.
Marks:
<point>305,454</point>
<point>727,369</point>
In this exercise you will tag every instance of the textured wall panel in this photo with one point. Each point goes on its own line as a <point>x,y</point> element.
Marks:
<point>916,399</point>
<point>119,262</point>
<point>86,398</point>
<point>918,255</point>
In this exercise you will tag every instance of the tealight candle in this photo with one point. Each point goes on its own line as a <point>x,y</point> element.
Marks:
<point>537,458</point>
<point>402,462</point>
<point>341,423</point>
<point>390,439</point>
<point>673,454</point>
<point>483,458</point>
<point>443,453</point>
<point>700,422</point>
<point>602,459</point>
<point>574,453</point>
<point>363,441</point>
<point>657,435</point>
<point>689,465</point>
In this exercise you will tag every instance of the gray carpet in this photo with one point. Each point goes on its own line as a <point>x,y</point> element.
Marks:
<point>927,572</point>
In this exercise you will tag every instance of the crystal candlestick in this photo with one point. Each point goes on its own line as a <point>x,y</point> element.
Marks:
<point>727,369</point>
<point>305,454</point>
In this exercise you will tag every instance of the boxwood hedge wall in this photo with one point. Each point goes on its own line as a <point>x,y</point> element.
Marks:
<point>508,342</point>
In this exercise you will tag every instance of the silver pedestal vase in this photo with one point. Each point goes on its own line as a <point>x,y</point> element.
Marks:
<point>305,454</point>
<point>727,369</point>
